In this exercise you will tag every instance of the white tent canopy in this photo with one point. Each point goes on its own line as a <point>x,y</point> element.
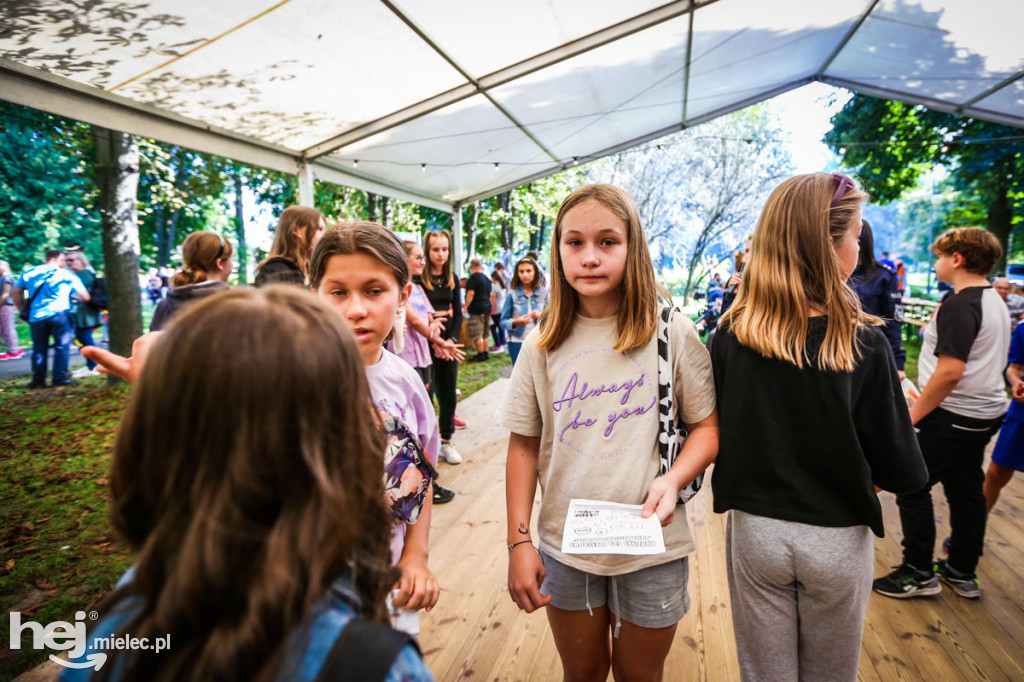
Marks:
<point>441,102</point>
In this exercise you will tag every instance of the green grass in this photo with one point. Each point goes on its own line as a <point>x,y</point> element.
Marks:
<point>57,552</point>
<point>475,375</point>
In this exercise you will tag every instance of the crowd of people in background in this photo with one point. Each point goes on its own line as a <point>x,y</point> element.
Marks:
<point>351,335</point>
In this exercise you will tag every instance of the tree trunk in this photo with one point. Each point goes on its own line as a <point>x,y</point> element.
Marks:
<point>163,248</point>
<point>470,231</point>
<point>371,207</point>
<point>117,174</point>
<point>534,232</point>
<point>242,255</point>
<point>507,235</point>
<point>387,213</point>
<point>1000,216</point>
<point>172,231</point>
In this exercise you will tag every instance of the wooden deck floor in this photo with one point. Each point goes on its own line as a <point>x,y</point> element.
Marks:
<point>477,633</point>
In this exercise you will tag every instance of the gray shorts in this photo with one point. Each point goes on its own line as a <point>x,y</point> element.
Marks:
<point>654,597</point>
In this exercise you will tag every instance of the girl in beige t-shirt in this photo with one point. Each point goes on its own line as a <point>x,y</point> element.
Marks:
<point>583,411</point>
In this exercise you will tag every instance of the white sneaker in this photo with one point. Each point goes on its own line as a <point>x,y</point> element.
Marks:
<point>83,372</point>
<point>450,454</point>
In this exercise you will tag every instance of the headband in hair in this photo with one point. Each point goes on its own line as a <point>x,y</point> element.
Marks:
<point>845,184</point>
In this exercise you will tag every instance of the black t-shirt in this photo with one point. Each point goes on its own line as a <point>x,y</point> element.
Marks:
<point>480,285</point>
<point>808,445</point>
<point>446,299</point>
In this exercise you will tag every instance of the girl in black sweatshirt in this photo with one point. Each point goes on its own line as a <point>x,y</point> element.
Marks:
<point>813,421</point>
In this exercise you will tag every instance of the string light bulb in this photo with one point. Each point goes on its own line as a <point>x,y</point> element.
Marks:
<point>355,163</point>
<point>496,164</point>
<point>423,168</point>
<point>575,161</point>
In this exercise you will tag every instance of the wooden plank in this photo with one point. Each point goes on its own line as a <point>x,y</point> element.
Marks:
<point>476,632</point>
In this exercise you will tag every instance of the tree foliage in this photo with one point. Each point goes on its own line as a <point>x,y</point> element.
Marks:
<point>700,191</point>
<point>892,144</point>
<point>46,190</point>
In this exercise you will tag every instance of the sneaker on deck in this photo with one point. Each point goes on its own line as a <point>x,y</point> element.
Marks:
<point>964,584</point>
<point>449,454</point>
<point>460,423</point>
<point>906,581</point>
<point>442,495</point>
<point>16,356</point>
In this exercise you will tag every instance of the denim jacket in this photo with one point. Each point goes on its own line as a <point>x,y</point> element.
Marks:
<point>517,304</point>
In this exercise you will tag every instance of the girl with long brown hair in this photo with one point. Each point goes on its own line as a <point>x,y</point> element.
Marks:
<point>298,231</point>
<point>247,480</point>
<point>525,302</point>
<point>582,407</point>
<point>360,269</point>
<point>443,290</point>
<point>812,419</point>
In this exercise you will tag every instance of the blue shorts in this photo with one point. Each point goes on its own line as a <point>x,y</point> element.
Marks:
<point>653,597</point>
<point>1009,450</point>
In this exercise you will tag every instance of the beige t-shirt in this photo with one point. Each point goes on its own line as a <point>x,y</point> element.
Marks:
<point>596,412</point>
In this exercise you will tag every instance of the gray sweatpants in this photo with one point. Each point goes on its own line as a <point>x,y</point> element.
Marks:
<point>799,595</point>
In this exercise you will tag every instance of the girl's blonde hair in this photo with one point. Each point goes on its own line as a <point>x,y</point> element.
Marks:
<point>447,278</point>
<point>793,268</point>
<point>286,245</point>
<point>638,306</point>
<point>199,256</point>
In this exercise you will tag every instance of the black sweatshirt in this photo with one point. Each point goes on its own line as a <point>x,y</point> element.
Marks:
<point>808,445</point>
<point>444,299</point>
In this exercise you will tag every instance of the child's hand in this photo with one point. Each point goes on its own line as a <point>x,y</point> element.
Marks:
<point>128,369</point>
<point>417,588</point>
<point>1018,391</point>
<point>525,575</point>
<point>661,500</point>
<point>436,325</point>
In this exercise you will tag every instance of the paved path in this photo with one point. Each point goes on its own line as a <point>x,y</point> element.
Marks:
<point>23,366</point>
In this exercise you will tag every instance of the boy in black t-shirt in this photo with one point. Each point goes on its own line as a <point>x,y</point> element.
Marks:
<point>961,406</point>
<point>478,309</point>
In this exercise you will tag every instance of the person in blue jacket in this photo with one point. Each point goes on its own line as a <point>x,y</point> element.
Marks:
<point>527,298</point>
<point>878,288</point>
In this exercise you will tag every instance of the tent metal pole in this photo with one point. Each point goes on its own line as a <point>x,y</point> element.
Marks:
<point>306,181</point>
<point>457,241</point>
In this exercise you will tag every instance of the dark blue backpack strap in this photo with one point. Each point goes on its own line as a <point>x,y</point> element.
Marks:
<point>364,652</point>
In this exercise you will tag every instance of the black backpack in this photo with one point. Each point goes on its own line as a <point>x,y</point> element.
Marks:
<point>98,293</point>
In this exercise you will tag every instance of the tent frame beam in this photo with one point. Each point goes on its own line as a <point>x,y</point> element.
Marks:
<point>936,104</point>
<point>465,74</point>
<point>505,75</point>
<point>674,128</point>
<point>64,97</point>
<point>991,91</point>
